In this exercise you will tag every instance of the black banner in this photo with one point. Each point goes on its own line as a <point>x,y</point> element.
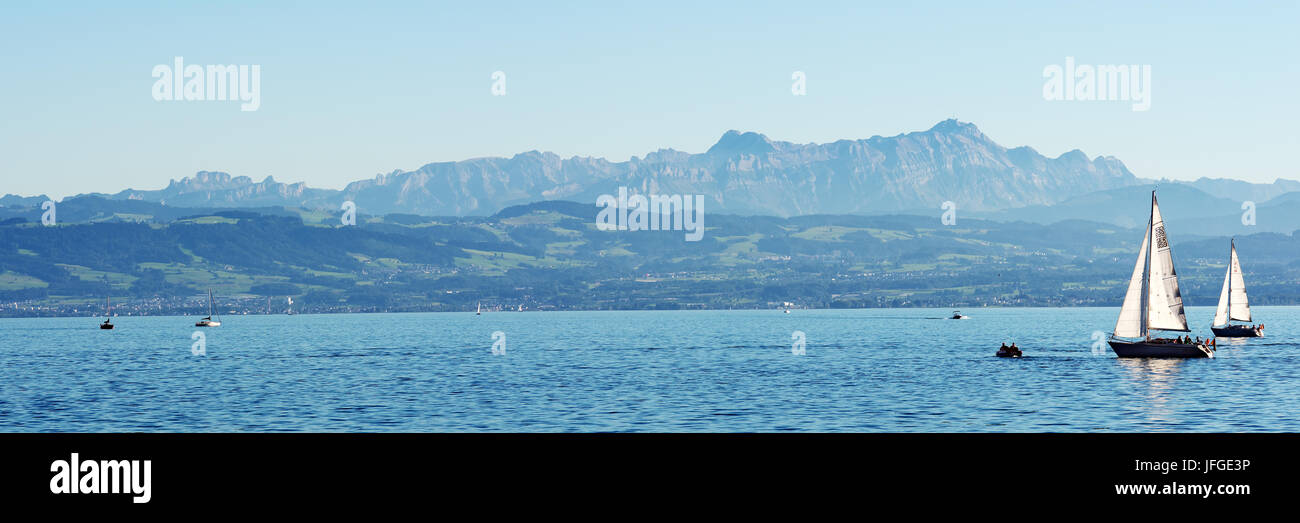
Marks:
<point>155,471</point>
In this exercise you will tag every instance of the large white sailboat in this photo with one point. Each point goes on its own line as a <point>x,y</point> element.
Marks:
<point>1233,304</point>
<point>1153,302</point>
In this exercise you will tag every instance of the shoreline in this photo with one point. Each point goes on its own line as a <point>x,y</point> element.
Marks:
<point>534,311</point>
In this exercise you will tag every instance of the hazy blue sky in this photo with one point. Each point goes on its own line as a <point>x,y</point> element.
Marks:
<point>349,90</point>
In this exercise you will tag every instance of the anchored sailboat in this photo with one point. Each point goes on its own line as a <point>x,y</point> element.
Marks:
<point>479,311</point>
<point>1233,304</point>
<point>208,321</point>
<point>108,316</point>
<point>1153,302</point>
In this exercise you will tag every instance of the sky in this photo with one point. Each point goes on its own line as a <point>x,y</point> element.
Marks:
<point>349,90</point>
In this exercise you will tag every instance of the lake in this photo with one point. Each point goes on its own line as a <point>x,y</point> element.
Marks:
<point>872,370</point>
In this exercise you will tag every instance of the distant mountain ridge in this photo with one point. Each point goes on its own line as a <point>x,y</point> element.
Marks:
<point>748,173</point>
<point>742,173</point>
<point>208,189</point>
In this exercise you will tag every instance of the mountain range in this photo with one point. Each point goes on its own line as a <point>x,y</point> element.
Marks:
<point>746,173</point>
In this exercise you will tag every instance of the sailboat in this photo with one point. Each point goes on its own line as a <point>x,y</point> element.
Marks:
<point>208,321</point>
<point>108,316</point>
<point>1153,302</point>
<point>1233,304</point>
<point>479,311</point>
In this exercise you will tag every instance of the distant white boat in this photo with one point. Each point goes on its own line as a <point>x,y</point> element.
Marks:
<point>1233,303</point>
<point>1153,302</point>
<point>208,321</point>
<point>479,311</point>
<point>956,315</point>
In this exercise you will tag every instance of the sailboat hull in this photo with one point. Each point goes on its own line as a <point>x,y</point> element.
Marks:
<point>1238,331</point>
<point>106,326</point>
<point>1147,349</point>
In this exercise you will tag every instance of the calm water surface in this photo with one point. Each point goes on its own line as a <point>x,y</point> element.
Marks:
<point>895,370</point>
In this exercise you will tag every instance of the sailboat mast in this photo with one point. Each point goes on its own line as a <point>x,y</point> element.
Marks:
<point>1146,269</point>
<point>1232,253</point>
<point>209,303</point>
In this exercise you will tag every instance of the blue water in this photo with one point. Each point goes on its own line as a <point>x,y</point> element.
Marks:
<point>893,370</point>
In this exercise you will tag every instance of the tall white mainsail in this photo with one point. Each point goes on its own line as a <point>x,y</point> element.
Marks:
<point>1240,307</point>
<point>1233,304</point>
<point>1153,300</point>
<point>1131,324</point>
<point>1164,301</point>
<point>1221,313</point>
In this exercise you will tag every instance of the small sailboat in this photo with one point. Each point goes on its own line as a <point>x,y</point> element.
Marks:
<point>479,311</point>
<point>1233,304</point>
<point>208,321</point>
<point>1153,302</point>
<point>108,316</point>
